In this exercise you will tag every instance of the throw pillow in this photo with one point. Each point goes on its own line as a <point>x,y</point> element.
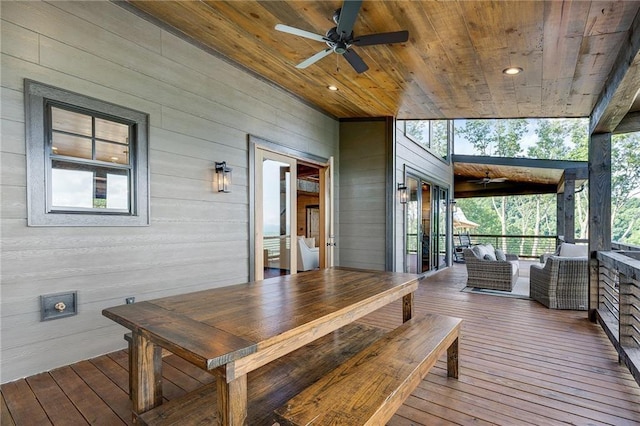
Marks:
<point>489,256</point>
<point>500,255</point>
<point>477,251</point>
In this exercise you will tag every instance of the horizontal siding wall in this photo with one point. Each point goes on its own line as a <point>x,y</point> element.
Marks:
<point>411,155</point>
<point>362,200</point>
<point>201,111</point>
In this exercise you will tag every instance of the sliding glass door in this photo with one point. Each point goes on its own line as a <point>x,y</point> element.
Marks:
<point>426,226</point>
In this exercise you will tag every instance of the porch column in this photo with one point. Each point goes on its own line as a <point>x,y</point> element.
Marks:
<point>560,216</point>
<point>569,206</point>
<point>599,209</point>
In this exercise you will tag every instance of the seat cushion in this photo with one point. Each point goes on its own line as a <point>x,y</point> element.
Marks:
<point>573,250</point>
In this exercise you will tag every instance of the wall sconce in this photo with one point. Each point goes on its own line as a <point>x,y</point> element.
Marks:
<point>223,176</point>
<point>403,193</point>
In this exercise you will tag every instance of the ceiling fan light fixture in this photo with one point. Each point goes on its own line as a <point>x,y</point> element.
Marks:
<point>332,88</point>
<point>340,38</point>
<point>512,71</point>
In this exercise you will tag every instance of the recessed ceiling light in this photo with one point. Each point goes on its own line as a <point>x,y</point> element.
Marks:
<point>332,88</point>
<point>114,158</point>
<point>512,70</point>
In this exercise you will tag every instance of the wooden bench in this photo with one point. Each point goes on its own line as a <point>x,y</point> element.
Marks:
<point>369,387</point>
<point>272,385</point>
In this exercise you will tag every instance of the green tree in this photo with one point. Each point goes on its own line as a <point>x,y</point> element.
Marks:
<point>508,134</point>
<point>552,137</point>
<point>625,186</point>
<point>479,133</point>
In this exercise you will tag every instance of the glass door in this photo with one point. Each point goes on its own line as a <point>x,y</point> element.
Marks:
<point>440,251</point>
<point>426,226</point>
<point>413,236</point>
<point>275,219</point>
<point>426,229</point>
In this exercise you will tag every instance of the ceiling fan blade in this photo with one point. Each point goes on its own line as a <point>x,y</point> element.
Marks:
<point>315,58</point>
<point>348,14</point>
<point>299,32</point>
<point>382,38</point>
<point>356,61</point>
<point>497,180</point>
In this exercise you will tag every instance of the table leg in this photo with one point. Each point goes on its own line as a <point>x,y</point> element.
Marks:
<point>407,307</point>
<point>452,360</point>
<point>232,401</point>
<point>145,375</point>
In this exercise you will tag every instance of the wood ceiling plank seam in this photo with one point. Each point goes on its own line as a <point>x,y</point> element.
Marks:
<point>607,17</point>
<point>564,24</point>
<point>485,28</point>
<point>433,79</point>
<point>525,50</point>
<point>462,60</point>
<point>492,53</point>
<point>415,89</point>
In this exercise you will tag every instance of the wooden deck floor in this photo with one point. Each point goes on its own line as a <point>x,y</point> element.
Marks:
<point>520,363</point>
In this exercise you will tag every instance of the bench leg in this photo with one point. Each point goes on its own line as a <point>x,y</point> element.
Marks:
<point>452,359</point>
<point>146,374</point>
<point>232,401</point>
<point>407,307</point>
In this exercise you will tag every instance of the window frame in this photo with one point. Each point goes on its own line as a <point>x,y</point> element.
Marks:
<point>38,99</point>
<point>429,148</point>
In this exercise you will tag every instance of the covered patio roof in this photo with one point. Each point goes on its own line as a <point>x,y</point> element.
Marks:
<point>522,176</point>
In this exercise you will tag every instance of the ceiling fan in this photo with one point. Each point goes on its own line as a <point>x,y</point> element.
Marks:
<point>485,180</point>
<point>340,38</point>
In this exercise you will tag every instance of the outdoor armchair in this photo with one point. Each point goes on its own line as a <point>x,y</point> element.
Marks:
<point>484,270</point>
<point>562,283</point>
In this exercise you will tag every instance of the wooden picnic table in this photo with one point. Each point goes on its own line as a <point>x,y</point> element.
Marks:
<point>236,329</point>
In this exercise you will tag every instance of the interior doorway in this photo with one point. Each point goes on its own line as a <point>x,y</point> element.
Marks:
<point>292,214</point>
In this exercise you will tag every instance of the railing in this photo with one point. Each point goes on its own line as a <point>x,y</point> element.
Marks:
<point>619,302</point>
<point>525,246</point>
<point>272,246</point>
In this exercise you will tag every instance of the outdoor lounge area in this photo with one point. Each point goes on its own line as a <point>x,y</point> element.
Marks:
<point>520,363</point>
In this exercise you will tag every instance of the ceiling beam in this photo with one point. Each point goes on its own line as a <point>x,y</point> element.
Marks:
<point>466,190</point>
<point>518,162</point>
<point>630,123</point>
<point>621,87</point>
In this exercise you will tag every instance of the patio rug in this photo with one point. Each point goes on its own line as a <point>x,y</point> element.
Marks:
<point>520,290</point>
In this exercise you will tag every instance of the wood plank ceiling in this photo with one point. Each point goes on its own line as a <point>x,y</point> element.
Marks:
<point>451,67</point>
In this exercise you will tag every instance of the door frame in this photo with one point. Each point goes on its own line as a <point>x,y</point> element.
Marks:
<point>324,164</point>
<point>434,182</point>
